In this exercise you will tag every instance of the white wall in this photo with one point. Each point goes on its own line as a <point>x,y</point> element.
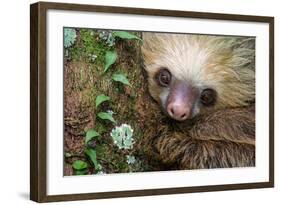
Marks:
<point>14,103</point>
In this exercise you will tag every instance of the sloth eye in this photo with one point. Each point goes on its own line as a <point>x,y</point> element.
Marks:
<point>163,77</point>
<point>208,97</point>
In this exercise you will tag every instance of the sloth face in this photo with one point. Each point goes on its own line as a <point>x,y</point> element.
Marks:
<point>194,74</point>
<point>179,99</point>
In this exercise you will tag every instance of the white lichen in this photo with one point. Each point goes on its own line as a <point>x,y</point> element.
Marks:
<point>69,37</point>
<point>123,136</point>
<point>93,57</point>
<point>110,112</point>
<point>131,159</point>
<point>99,169</point>
<point>107,37</point>
<point>101,172</point>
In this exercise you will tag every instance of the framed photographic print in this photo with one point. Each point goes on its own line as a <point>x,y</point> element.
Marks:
<point>134,102</point>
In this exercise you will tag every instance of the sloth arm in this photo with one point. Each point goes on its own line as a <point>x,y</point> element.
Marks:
<point>224,139</point>
<point>235,125</point>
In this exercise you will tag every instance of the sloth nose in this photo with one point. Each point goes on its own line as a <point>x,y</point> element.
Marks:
<point>178,111</point>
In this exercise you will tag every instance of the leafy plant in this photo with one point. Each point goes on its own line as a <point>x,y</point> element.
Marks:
<point>91,153</point>
<point>123,136</point>
<point>100,99</point>
<point>125,35</point>
<point>110,58</point>
<point>98,49</point>
<point>106,116</point>
<point>121,78</point>
<point>90,134</point>
<point>79,165</point>
<point>81,172</point>
<point>69,37</point>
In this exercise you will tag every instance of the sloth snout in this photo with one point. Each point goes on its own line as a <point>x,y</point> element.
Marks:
<point>178,111</point>
<point>180,101</point>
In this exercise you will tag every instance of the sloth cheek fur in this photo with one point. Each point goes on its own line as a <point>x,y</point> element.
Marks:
<point>214,125</point>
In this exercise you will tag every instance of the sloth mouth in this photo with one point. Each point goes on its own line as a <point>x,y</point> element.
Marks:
<point>182,118</point>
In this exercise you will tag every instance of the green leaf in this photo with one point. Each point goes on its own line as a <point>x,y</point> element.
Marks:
<point>110,58</point>
<point>121,78</point>
<point>81,172</point>
<point>79,165</point>
<point>101,98</point>
<point>125,35</point>
<point>106,116</point>
<point>93,156</point>
<point>90,135</point>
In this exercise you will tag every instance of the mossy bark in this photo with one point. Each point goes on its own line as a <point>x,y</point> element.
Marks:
<point>84,80</point>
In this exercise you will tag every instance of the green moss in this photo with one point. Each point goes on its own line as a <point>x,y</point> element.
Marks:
<point>88,46</point>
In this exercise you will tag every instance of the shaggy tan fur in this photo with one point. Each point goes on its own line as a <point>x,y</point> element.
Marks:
<point>219,136</point>
<point>225,64</point>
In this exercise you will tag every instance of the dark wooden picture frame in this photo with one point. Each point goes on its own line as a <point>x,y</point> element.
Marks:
<point>38,101</point>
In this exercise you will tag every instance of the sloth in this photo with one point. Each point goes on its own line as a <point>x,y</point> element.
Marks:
<point>204,92</point>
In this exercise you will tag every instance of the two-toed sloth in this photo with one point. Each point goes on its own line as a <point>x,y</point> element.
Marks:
<point>206,86</point>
